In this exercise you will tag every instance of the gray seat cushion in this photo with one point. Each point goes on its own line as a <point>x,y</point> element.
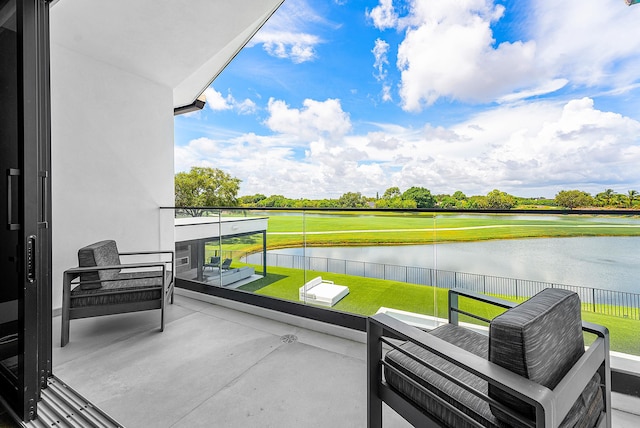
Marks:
<point>126,287</point>
<point>103,253</point>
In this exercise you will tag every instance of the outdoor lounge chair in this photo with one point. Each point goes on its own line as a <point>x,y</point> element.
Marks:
<point>213,263</point>
<point>322,292</point>
<point>226,264</point>
<point>532,370</point>
<point>104,286</point>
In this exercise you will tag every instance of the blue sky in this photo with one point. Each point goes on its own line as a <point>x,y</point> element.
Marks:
<point>340,96</point>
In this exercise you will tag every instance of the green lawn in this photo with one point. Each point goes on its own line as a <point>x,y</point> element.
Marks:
<point>367,295</point>
<point>419,228</point>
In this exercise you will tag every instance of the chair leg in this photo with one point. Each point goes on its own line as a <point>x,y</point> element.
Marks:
<point>162,320</point>
<point>374,354</point>
<point>66,307</point>
<point>64,333</point>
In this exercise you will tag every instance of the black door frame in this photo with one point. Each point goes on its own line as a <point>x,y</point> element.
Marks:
<point>34,208</point>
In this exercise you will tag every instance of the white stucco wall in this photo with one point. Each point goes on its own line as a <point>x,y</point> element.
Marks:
<point>112,159</point>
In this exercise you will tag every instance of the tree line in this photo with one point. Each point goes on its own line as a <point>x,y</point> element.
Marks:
<point>211,187</point>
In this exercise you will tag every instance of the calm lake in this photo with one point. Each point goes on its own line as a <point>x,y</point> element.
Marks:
<point>602,262</point>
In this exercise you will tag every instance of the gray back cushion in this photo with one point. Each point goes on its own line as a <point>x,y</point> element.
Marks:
<point>540,339</point>
<point>103,253</point>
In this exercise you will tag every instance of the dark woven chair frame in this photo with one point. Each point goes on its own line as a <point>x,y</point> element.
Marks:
<point>71,279</point>
<point>551,405</point>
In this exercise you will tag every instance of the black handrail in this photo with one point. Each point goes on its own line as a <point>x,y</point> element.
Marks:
<point>605,212</point>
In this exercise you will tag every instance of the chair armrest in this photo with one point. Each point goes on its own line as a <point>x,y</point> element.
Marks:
<point>454,309</point>
<point>496,301</point>
<point>139,253</point>
<point>146,253</point>
<point>599,330</point>
<point>79,270</point>
<point>544,399</point>
<point>71,274</point>
<point>132,253</point>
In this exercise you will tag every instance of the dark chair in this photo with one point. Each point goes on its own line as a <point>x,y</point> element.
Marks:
<point>213,263</point>
<point>104,286</point>
<point>531,371</point>
<point>226,264</point>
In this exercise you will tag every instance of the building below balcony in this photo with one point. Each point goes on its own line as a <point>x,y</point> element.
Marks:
<point>199,253</point>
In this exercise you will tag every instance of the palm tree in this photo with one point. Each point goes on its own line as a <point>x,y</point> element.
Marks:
<point>632,196</point>
<point>608,194</point>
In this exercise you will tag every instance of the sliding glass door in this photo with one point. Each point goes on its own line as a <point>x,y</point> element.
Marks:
<point>25,286</point>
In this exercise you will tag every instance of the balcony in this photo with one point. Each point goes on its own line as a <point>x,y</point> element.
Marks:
<point>226,367</point>
<point>254,354</point>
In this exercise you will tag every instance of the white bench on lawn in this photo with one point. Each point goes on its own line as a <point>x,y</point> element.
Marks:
<point>322,292</point>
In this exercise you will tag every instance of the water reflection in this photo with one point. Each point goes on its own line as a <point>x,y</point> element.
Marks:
<point>602,262</point>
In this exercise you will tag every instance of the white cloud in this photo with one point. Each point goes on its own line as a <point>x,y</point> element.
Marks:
<point>449,51</point>
<point>289,33</point>
<point>545,88</point>
<point>381,61</point>
<point>590,44</point>
<point>533,149</point>
<point>246,107</point>
<point>383,15</point>
<point>317,119</point>
<point>217,102</point>
<point>380,51</point>
<point>386,93</point>
<point>382,141</point>
<point>535,146</point>
<point>298,47</point>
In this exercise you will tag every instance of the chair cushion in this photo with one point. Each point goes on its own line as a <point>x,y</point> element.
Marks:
<point>127,287</point>
<point>103,253</point>
<point>540,339</point>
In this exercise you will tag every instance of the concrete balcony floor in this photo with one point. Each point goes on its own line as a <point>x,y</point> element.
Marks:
<point>219,367</point>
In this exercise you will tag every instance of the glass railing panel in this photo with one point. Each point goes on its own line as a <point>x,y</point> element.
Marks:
<point>403,263</point>
<point>243,249</point>
<point>287,250</point>
<point>198,245</point>
<point>359,250</point>
<point>276,275</point>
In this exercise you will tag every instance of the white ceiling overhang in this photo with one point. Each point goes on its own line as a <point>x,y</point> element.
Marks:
<point>183,44</point>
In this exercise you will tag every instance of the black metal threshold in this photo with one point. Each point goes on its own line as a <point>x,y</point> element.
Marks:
<point>63,407</point>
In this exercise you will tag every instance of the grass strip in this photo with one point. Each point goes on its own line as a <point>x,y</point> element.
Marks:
<point>341,230</point>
